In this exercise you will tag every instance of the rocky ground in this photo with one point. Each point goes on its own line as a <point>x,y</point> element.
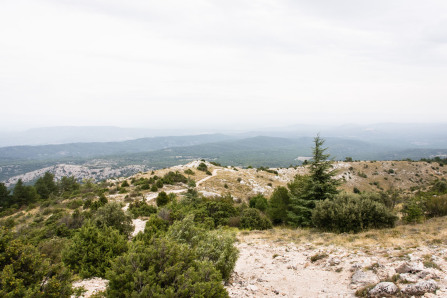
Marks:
<point>271,265</point>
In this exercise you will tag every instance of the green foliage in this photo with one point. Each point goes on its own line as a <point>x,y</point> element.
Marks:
<point>189,172</point>
<point>92,250</point>
<point>24,194</point>
<point>24,272</point>
<point>164,268</point>
<point>253,219</point>
<point>162,199</point>
<point>125,183</point>
<point>171,178</point>
<point>111,215</point>
<point>159,184</point>
<point>306,191</point>
<point>278,205</point>
<point>259,202</point>
<point>321,185</point>
<point>155,226</point>
<point>141,208</point>
<point>45,186</point>
<point>436,205</point>
<point>202,167</point>
<point>5,197</point>
<point>220,210</point>
<point>217,247</point>
<point>351,213</point>
<point>413,211</point>
<point>68,184</point>
<point>439,187</point>
<point>191,183</point>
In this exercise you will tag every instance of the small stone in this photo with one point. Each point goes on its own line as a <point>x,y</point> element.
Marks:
<point>252,288</point>
<point>384,289</point>
<point>334,261</point>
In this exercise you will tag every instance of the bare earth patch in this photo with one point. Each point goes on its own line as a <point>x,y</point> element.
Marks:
<point>92,286</point>
<point>306,263</point>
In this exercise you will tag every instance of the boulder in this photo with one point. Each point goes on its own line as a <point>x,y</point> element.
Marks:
<point>384,289</point>
<point>364,278</point>
<point>421,287</point>
<point>409,268</point>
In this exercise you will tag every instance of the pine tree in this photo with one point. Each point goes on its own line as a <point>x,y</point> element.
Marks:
<point>307,190</point>
<point>322,183</point>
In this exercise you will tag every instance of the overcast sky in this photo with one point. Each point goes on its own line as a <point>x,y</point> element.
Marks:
<point>235,64</point>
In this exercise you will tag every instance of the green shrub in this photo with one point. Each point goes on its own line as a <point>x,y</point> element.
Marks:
<point>351,213</point>
<point>92,250</point>
<point>253,219</point>
<point>74,204</point>
<point>259,202</point>
<point>141,208</point>
<point>413,211</point>
<point>111,215</point>
<point>23,268</point>
<point>159,184</point>
<point>217,247</point>
<point>171,178</point>
<point>125,183</point>
<point>278,205</point>
<point>202,167</point>
<point>155,226</point>
<point>436,205</point>
<point>164,268</point>
<point>189,172</point>
<point>220,210</point>
<point>162,199</point>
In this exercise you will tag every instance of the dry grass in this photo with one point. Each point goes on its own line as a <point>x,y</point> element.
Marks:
<point>400,238</point>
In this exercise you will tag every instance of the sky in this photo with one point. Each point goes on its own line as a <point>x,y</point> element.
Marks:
<point>221,64</point>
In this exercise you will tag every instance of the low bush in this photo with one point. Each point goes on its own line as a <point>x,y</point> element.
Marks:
<point>259,202</point>
<point>436,205</point>
<point>253,219</point>
<point>202,167</point>
<point>141,208</point>
<point>162,199</point>
<point>92,250</point>
<point>164,268</point>
<point>351,213</point>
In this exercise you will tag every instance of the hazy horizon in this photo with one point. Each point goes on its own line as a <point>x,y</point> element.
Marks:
<point>235,65</point>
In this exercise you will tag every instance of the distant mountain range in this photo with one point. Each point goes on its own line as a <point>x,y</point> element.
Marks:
<point>271,148</point>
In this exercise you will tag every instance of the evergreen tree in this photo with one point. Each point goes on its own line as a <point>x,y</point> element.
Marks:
<point>322,185</point>
<point>45,185</point>
<point>5,198</point>
<point>307,190</point>
<point>24,194</point>
<point>278,205</point>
